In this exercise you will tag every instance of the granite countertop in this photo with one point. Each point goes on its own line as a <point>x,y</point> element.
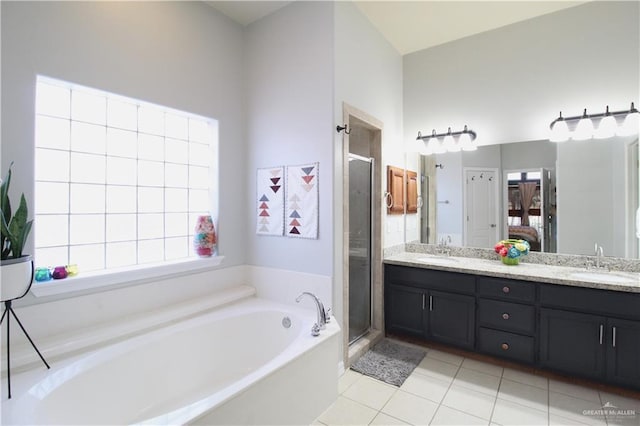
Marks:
<point>563,275</point>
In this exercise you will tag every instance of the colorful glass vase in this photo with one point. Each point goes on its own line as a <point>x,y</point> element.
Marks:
<point>59,272</point>
<point>204,239</point>
<point>42,274</point>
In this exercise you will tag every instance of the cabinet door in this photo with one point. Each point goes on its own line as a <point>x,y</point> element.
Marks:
<point>395,190</point>
<point>572,342</point>
<point>412,192</point>
<point>404,310</point>
<point>452,318</point>
<point>623,352</point>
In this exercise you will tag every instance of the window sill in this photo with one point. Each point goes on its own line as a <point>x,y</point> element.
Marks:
<point>125,276</point>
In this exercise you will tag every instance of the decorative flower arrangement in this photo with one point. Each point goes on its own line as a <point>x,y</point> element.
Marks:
<point>511,250</point>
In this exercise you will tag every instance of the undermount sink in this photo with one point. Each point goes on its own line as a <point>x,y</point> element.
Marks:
<point>435,260</point>
<point>600,276</point>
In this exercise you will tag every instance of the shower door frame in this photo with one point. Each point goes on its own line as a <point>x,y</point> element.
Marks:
<point>372,163</point>
<point>354,116</point>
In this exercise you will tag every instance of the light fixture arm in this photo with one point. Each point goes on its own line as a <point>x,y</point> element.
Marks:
<point>592,116</point>
<point>433,134</point>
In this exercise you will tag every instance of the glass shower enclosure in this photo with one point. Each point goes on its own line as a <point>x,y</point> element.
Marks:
<point>360,245</point>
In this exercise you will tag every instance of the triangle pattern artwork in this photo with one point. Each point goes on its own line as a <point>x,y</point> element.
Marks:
<point>270,201</point>
<point>302,198</point>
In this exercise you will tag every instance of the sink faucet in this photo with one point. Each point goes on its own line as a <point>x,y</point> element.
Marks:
<point>443,245</point>
<point>599,255</point>
<point>323,318</point>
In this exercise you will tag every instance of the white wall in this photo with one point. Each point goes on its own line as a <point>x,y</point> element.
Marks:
<point>289,86</point>
<point>510,83</point>
<point>368,76</point>
<point>178,54</point>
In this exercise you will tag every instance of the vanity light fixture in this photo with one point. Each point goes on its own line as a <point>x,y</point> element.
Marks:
<point>451,142</point>
<point>621,123</point>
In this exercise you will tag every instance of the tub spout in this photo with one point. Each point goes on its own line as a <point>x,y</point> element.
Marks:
<point>322,314</point>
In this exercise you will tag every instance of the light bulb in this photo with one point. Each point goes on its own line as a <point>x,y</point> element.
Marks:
<point>426,150</point>
<point>607,127</point>
<point>465,142</point>
<point>559,132</point>
<point>439,147</point>
<point>631,124</point>
<point>433,144</point>
<point>584,129</point>
<point>449,143</point>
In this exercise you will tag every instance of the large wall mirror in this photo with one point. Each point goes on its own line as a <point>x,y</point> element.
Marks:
<point>561,197</point>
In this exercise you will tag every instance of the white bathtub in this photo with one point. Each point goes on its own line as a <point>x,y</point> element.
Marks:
<point>235,365</point>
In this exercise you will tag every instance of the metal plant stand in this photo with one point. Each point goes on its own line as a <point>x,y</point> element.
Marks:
<point>8,311</point>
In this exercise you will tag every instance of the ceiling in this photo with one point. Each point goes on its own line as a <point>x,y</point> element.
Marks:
<point>415,25</point>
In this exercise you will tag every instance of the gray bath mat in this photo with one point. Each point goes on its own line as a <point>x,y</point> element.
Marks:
<point>389,361</point>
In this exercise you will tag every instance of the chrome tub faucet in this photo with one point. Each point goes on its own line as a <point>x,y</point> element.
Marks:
<point>323,316</point>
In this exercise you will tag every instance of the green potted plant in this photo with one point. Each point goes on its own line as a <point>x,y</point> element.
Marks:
<point>16,267</point>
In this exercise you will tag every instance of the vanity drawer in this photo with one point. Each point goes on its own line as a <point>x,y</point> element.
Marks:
<point>596,301</point>
<point>431,279</point>
<point>506,289</point>
<point>507,315</point>
<point>506,345</point>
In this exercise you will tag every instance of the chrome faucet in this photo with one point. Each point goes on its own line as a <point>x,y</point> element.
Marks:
<point>323,316</point>
<point>599,255</point>
<point>443,246</point>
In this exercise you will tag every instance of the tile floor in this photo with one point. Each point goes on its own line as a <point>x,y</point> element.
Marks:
<point>447,389</point>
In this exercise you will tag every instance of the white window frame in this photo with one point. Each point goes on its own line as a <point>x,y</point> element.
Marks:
<point>135,273</point>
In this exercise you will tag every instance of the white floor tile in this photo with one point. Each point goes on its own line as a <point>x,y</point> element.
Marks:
<point>574,390</point>
<point>445,356</point>
<point>475,380</point>
<point>520,393</point>
<point>347,412</point>
<point>483,367</point>
<point>510,413</point>
<point>574,408</point>
<point>383,419</point>
<point>410,408</point>
<point>469,401</point>
<point>435,368</point>
<point>526,378</point>
<point>449,416</point>
<point>347,379</point>
<point>425,386</point>
<point>370,392</point>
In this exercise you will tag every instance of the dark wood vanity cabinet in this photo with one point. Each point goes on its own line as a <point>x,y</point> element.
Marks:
<point>416,305</point>
<point>585,332</point>
<point>591,333</point>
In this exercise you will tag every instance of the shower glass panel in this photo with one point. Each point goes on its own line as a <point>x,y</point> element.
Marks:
<point>360,189</point>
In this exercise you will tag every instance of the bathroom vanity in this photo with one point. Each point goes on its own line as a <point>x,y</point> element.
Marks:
<point>538,315</point>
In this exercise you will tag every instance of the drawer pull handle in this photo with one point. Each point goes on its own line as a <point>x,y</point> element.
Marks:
<point>506,289</point>
<point>504,346</point>
<point>505,316</point>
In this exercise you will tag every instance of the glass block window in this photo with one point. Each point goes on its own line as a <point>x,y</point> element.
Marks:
<point>118,181</point>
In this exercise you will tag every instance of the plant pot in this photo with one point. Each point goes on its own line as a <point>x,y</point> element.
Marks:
<point>17,276</point>
<point>510,260</point>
